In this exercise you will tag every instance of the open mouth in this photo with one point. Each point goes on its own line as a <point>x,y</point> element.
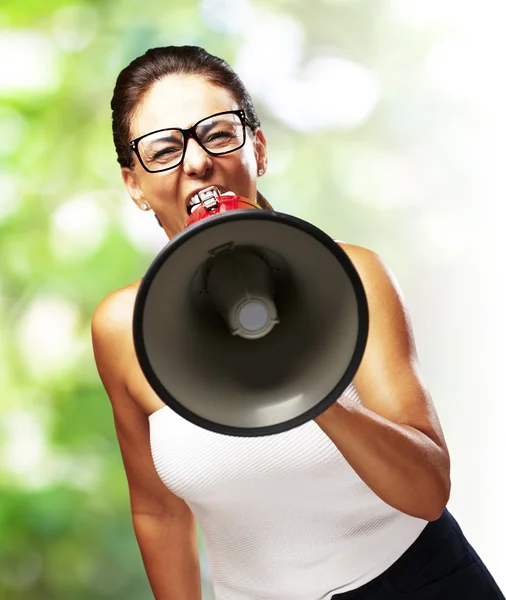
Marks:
<point>204,195</point>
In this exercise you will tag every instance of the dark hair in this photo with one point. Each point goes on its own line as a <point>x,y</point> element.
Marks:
<point>135,81</point>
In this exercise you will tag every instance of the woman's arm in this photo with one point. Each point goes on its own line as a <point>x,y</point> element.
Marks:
<point>394,440</point>
<point>164,525</point>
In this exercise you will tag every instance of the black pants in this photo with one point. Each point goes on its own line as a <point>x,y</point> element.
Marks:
<point>440,565</point>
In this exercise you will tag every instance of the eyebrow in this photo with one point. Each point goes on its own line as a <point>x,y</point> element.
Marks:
<point>206,127</point>
<point>166,138</point>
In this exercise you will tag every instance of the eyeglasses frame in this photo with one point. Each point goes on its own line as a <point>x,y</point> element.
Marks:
<point>191,132</point>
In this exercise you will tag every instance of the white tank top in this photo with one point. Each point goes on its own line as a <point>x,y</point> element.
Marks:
<point>284,516</point>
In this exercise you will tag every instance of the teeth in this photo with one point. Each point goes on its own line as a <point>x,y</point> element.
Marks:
<point>202,194</point>
<point>194,208</point>
<point>201,197</point>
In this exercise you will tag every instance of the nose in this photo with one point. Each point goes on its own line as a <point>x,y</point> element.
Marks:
<point>196,161</point>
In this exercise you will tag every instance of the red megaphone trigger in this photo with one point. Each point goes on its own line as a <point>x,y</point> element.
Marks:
<point>223,204</point>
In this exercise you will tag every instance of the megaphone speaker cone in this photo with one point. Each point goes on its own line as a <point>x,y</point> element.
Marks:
<point>250,323</point>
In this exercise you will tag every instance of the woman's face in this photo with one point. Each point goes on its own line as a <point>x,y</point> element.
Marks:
<point>181,101</point>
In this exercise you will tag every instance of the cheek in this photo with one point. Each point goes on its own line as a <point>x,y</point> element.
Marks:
<point>160,185</point>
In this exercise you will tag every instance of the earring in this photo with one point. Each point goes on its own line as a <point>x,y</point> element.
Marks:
<point>145,206</point>
<point>260,172</point>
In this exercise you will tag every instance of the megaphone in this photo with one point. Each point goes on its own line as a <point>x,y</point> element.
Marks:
<point>249,322</point>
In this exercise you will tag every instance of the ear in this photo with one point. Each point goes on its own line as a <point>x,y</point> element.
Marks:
<point>260,146</point>
<point>129,177</point>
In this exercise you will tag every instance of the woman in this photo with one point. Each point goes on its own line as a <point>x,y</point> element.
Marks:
<point>350,505</point>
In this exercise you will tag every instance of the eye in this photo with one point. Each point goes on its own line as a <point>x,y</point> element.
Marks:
<point>165,151</point>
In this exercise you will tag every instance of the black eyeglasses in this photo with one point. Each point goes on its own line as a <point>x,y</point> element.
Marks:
<point>218,134</point>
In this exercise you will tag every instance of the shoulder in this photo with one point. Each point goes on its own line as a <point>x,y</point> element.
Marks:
<point>116,308</point>
<point>112,318</point>
<point>390,326</point>
<point>111,327</point>
<point>376,275</point>
<point>114,352</point>
<point>358,253</point>
<point>390,353</point>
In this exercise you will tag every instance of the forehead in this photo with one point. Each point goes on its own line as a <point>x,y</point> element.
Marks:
<point>179,101</point>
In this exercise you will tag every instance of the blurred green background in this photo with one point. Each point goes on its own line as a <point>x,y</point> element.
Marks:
<point>385,127</point>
